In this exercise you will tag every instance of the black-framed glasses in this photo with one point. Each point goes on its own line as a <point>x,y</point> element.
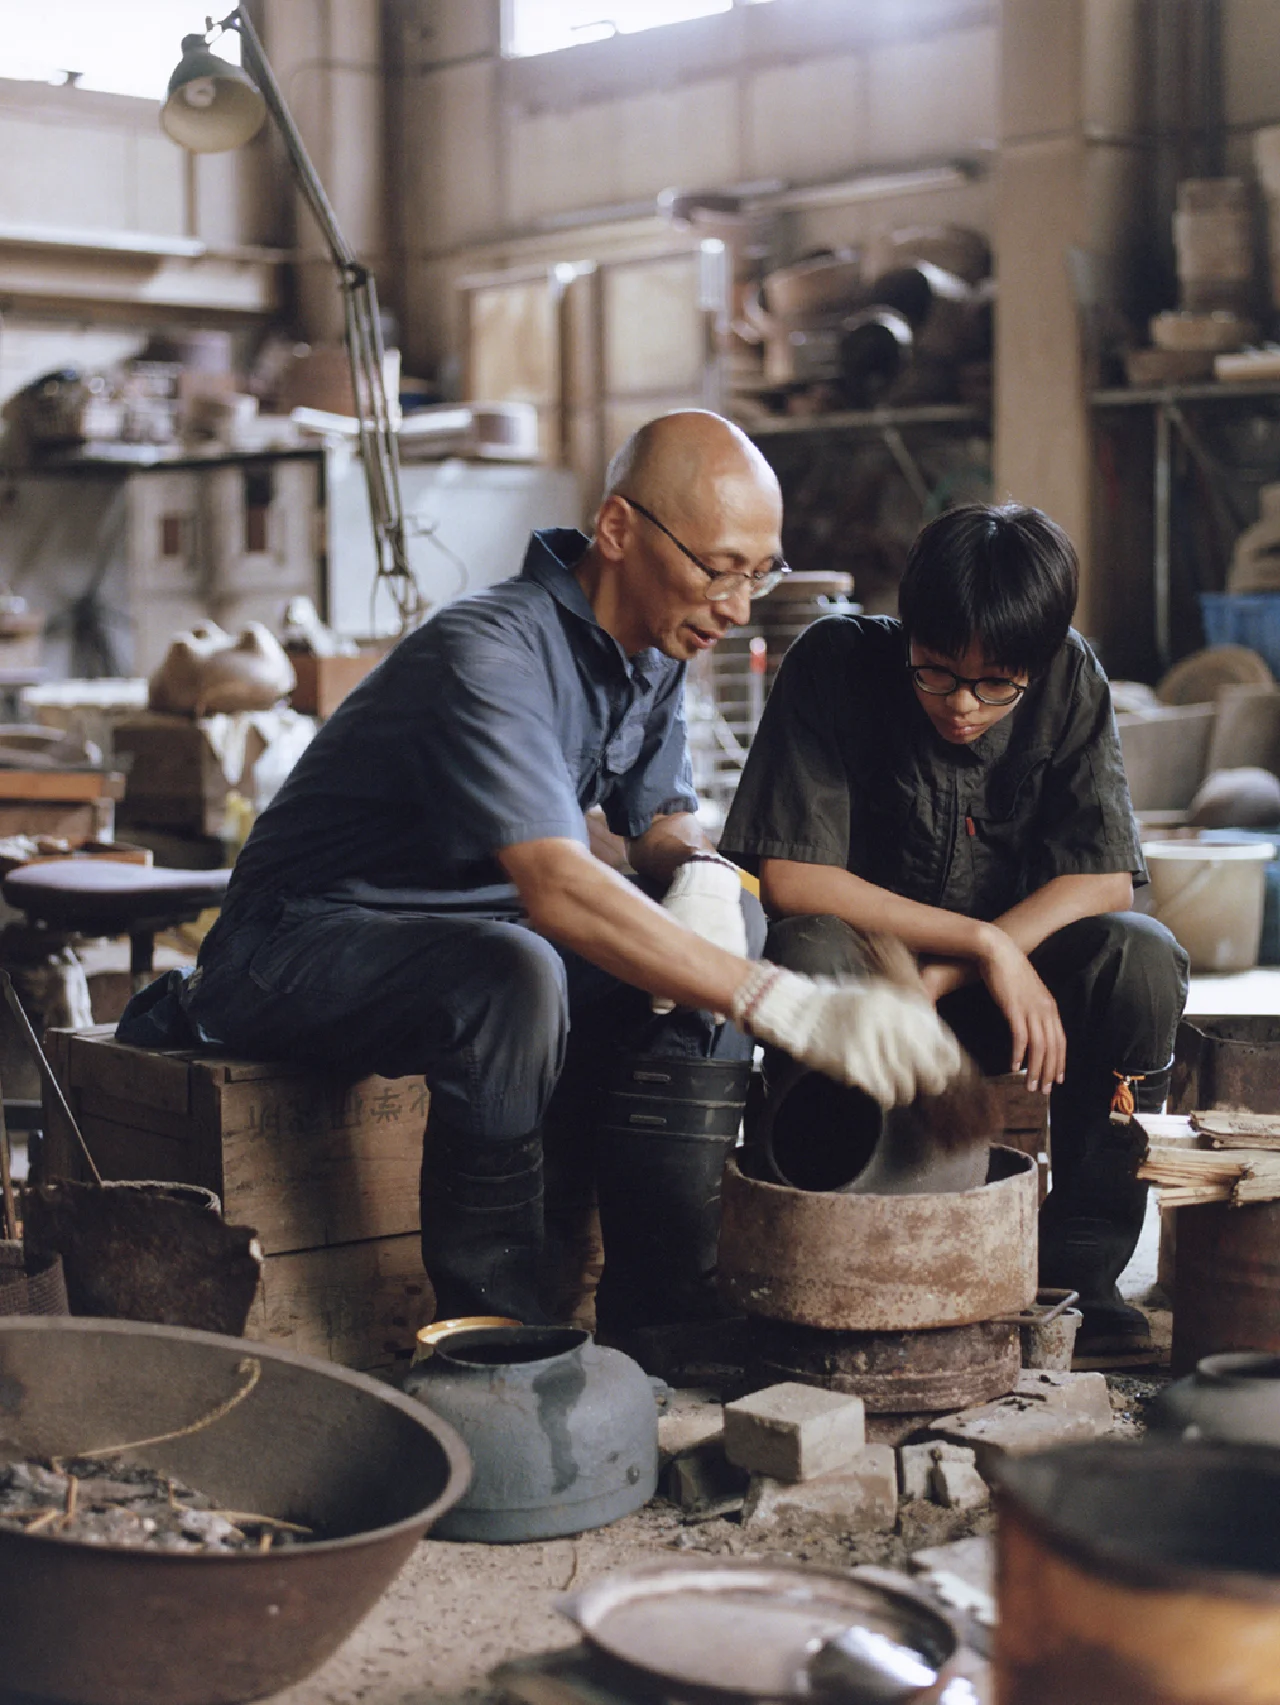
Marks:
<point>757,581</point>
<point>987,689</point>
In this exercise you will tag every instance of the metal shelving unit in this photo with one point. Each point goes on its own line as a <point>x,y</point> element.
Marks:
<point>1168,405</point>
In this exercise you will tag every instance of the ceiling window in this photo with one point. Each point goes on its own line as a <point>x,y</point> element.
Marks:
<point>127,47</point>
<point>545,26</point>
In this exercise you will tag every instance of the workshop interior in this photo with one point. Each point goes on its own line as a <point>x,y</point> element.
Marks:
<point>640,852</point>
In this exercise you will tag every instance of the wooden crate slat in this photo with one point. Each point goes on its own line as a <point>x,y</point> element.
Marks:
<point>91,1104</point>
<point>312,1162</point>
<point>124,1151</point>
<point>355,1303</point>
<point>129,1074</point>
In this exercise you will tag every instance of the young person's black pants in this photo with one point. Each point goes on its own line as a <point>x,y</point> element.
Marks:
<point>1120,981</point>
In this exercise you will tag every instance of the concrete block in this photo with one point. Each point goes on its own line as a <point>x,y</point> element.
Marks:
<point>690,1420</point>
<point>1079,1393</point>
<point>916,1464</point>
<point>794,1432</point>
<point>1045,1408</point>
<point>702,1479</point>
<point>863,1499</point>
<point>956,1484</point>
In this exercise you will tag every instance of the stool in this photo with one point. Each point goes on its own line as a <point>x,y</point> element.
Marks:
<point>100,897</point>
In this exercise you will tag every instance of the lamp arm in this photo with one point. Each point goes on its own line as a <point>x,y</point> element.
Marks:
<point>379,447</point>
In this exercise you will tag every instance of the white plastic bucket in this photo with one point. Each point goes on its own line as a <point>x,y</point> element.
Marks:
<point>1210,894</point>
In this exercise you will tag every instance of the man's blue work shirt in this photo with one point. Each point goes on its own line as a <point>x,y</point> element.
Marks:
<point>500,720</point>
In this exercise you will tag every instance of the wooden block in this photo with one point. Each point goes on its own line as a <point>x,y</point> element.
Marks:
<point>355,1303</point>
<point>65,786</point>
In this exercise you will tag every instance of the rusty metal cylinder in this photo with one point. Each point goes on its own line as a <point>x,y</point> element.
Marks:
<point>881,1263</point>
<point>1139,1573</point>
<point>892,1372</point>
<point>1226,1284</point>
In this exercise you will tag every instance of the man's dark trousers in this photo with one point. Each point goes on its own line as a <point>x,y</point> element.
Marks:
<point>510,1033</point>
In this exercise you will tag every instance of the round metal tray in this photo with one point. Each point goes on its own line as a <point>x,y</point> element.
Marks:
<point>750,1630</point>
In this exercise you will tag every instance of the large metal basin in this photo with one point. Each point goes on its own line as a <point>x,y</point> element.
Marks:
<point>312,1443</point>
<point>881,1263</point>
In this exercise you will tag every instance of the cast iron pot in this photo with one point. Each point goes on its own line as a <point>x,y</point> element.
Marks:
<point>563,1433</point>
<point>310,1443</point>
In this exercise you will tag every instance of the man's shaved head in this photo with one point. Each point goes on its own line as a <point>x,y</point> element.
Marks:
<point>676,462</point>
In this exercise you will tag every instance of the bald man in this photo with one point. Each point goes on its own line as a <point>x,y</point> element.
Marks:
<point>420,897</point>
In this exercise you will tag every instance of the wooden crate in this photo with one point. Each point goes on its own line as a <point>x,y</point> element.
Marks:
<point>1024,1121</point>
<point>324,1170</point>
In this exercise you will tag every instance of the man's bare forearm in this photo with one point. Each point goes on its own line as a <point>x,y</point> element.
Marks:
<point>666,844</point>
<point>579,903</point>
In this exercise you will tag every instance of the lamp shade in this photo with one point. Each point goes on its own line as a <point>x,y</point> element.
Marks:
<point>212,105</point>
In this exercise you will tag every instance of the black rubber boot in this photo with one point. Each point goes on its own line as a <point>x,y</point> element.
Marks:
<point>1092,1218</point>
<point>482,1224</point>
<point>666,1128</point>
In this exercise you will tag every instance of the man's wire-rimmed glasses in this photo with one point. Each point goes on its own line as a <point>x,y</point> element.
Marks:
<point>757,581</point>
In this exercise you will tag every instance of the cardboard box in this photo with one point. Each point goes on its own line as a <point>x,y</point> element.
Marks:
<point>324,1170</point>
<point>323,682</point>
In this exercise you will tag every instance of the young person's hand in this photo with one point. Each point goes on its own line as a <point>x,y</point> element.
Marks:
<point>1039,1042</point>
<point>886,1040</point>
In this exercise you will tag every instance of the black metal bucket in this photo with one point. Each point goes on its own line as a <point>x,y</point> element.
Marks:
<point>136,1250</point>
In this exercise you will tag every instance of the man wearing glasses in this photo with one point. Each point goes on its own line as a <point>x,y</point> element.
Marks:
<point>420,897</point>
<point>954,779</point>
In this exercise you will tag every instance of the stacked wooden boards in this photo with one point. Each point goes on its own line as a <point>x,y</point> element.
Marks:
<point>1213,1156</point>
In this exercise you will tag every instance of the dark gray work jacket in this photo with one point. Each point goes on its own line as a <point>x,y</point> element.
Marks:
<point>847,770</point>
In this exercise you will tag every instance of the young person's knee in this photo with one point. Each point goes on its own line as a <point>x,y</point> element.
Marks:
<point>818,945</point>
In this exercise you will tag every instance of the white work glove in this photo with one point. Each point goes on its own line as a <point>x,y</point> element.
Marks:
<point>884,1039</point>
<point>706,896</point>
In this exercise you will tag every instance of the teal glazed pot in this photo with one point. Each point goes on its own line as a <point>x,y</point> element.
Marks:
<point>563,1433</point>
<point>1231,1398</point>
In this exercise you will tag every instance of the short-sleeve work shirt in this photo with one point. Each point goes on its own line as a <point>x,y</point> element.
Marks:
<point>847,770</point>
<point>500,720</point>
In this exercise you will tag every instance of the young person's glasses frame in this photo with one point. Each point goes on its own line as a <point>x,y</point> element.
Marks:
<point>987,689</point>
<point>757,581</point>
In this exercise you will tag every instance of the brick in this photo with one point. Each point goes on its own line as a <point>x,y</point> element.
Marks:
<point>794,1432</point>
<point>863,1499</point>
<point>1046,1408</point>
<point>956,1484</point>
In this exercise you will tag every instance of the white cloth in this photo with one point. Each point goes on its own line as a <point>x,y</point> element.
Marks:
<point>706,897</point>
<point>886,1040</point>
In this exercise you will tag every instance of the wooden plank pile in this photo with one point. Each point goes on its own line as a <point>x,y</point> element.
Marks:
<point>1218,1156</point>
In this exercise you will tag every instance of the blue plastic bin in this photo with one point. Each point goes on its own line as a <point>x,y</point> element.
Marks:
<point>1244,618</point>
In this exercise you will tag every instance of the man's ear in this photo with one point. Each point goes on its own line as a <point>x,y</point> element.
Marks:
<point>612,528</point>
